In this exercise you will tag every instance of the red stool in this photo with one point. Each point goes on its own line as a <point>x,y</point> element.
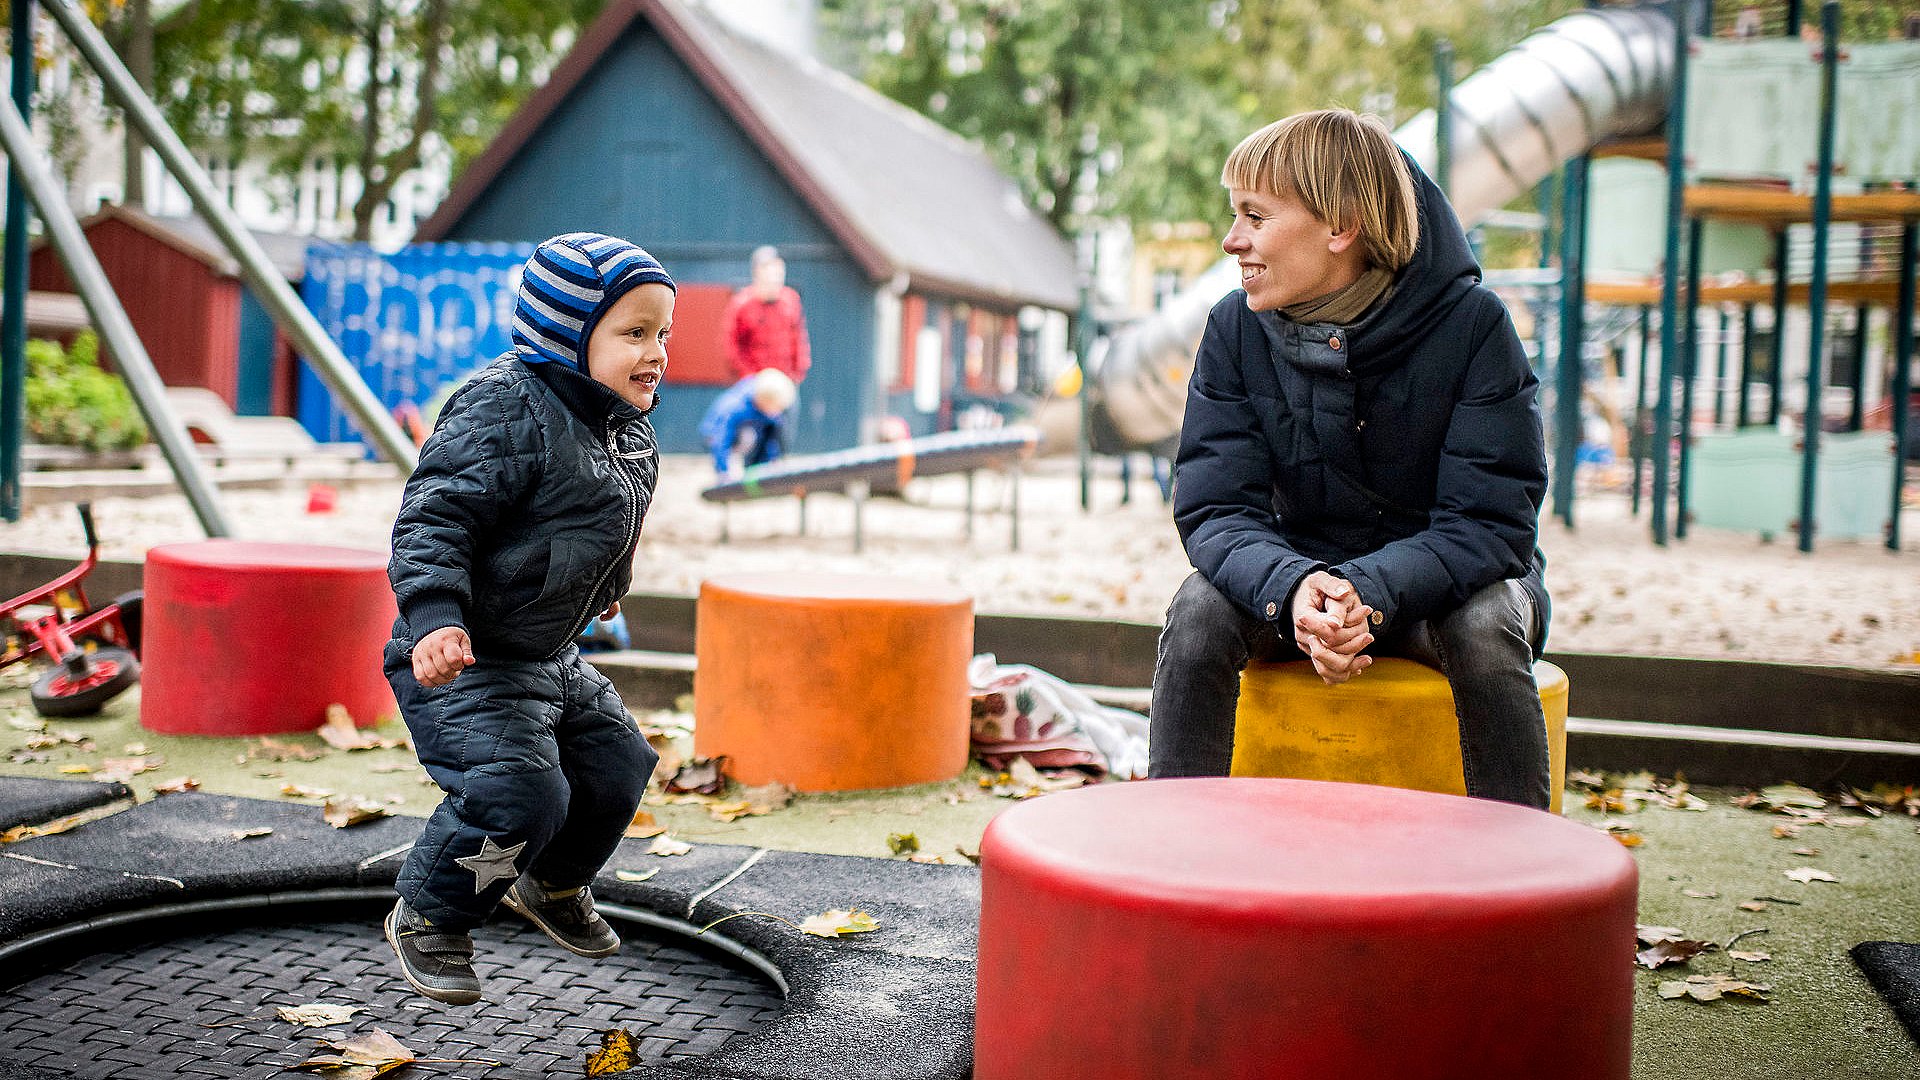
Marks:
<point>1229,928</point>
<point>242,638</point>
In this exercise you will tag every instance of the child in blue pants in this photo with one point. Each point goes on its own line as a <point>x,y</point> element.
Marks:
<point>515,531</point>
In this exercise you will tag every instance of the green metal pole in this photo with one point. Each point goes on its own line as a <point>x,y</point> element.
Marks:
<point>1637,445</point>
<point>1670,277</point>
<point>1573,332</point>
<point>1857,410</point>
<point>1817,289</point>
<point>1083,349</point>
<point>1443,116</point>
<point>13,305</point>
<point>1777,346</point>
<point>1902,377</point>
<point>1744,409</point>
<point>1689,365</point>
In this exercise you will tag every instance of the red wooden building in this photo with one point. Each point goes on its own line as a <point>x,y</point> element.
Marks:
<point>185,297</point>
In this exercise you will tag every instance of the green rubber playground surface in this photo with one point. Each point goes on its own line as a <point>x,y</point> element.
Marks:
<point>1698,866</point>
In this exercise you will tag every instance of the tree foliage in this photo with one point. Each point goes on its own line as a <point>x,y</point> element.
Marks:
<point>369,82</point>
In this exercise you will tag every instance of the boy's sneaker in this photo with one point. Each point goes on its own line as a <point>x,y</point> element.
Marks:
<point>568,918</point>
<point>438,964</point>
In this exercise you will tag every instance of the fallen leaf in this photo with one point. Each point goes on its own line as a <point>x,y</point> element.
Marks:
<point>340,732</point>
<point>138,749</point>
<point>766,798</point>
<point>729,811</point>
<point>32,757</point>
<point>635,875</point>
<point>391,767</point>
<point>248,834</point>
<point>121,770</point>
<point>903,843</point>
<point>26,723</point>
<point>838,922</point>
<point>176,786</point>
<point>1628,839</point>
<point>702,776</point>
<point>1654,935</point>
<point>971,856</point>
<point>923,857</point>
<point>51,828</point>
<point>301,791</point>
<point>1805,874</point>
<point>76,770</point>
<point>1700,894</point>
<point>1714,987</point>
<point>317,1015</point>
<point>351,810</point>
<point>1750,957</point>
<point>1786,832</point>
<point>619,1051</point>
<point>275,750</point>
<point>1663,953</point>
<point>1779,796</point>
<point>664,845</point>
<point>1806,852</point>
<point>644,825</point>
<point>47,740</point>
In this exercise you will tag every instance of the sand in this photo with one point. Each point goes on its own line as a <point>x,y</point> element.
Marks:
<point>1714,594</point>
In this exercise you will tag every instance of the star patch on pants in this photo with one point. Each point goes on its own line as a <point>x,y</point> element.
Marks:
<point>494,863</point>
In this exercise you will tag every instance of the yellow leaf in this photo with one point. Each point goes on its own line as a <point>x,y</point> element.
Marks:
<point>631,875</point>
<point>619,1051</point>
<point>317,1014</point>
<point>838,922</point>
<point>644,826</point>
<point>340,732</point>
<point>76,770</point>
<point>903,843</point>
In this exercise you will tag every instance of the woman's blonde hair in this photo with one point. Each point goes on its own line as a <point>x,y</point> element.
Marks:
<point>1346,169</point>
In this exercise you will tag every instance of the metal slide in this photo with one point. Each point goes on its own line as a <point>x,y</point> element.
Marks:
<point>1590,76</point>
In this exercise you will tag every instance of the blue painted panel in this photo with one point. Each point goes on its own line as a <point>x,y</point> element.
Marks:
<point>641,150</point>
<point>413,322</point>
<point>254,394</point>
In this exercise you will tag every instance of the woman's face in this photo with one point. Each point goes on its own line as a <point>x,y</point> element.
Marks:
<point>1286,254</point>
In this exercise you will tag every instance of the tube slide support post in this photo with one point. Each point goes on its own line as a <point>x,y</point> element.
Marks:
<point>1670,274</point>
<point>1817,288</point>
<point>1902,376</point>
<point>1689,371</point>
<point>1568,373</point>
<point>1637,445</point>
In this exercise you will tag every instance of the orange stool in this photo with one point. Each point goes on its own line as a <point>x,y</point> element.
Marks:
<point>1393,725</point>
<point>832,682</point>
<point>244,638</point>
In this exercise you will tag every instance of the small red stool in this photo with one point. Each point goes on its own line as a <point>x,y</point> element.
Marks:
<point>243,638</point>
<point>1240,928</point>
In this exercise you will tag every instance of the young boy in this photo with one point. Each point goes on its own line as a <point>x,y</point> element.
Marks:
<point>518,527</point>
<point>750,408</point>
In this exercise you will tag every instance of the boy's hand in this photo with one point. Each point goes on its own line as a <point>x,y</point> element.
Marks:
<point>610,612</point>
<point>1330,626</point>
<point>441,656</point>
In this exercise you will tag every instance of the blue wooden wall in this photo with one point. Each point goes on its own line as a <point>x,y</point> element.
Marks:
<point>642,151</point>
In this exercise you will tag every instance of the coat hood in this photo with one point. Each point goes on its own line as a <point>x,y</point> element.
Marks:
<point>567,285</point>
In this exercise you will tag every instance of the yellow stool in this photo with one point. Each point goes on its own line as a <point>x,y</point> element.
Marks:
<point>1393,725</point>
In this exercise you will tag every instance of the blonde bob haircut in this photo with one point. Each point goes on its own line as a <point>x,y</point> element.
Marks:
<point>1345,168</point>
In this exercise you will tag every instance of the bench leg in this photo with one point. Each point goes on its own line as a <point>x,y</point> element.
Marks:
<point>803,513</point>
<point>970,475</point>
<point>858,491</point>
<point>1013,508</point>
<point>726,522</point>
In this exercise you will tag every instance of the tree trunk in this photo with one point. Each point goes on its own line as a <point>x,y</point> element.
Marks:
<point>137,51</point>
<point>381,174</point>
<point>370,123</point>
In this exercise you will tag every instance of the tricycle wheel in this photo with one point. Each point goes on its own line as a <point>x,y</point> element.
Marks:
<point>58,693</point>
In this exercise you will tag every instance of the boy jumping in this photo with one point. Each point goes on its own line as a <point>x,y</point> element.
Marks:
<point>516,529</point>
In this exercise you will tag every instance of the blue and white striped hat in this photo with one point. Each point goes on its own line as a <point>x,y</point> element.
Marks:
<point>566,287</point>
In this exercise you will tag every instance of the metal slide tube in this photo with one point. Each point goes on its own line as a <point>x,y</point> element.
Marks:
<point>107,314</point>
<point>1584,78</point>
<point>288,312</point>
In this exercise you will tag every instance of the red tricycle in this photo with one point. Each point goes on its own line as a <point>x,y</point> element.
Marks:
<point>94,651</point>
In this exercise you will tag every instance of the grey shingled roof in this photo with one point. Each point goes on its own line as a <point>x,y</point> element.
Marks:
<point>932,202</point>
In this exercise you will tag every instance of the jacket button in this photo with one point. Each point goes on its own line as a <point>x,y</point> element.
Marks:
<point>1272,609</point>
<point>1334,343</point>
<point>1378,617</point>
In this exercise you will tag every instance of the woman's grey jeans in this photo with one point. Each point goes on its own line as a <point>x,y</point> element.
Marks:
<point>1485,648</point>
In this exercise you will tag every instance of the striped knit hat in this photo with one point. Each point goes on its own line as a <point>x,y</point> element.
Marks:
<point>566,287</point>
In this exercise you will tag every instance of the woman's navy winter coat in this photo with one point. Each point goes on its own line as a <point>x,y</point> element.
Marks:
<point>1404,453</point>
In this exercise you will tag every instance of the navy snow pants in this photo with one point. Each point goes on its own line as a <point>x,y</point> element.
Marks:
<point>542,768</point>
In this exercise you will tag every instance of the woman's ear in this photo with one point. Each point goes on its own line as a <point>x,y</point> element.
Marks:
<point>1339,240</point>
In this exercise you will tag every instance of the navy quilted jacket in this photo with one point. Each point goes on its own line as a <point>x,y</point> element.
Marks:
<point>1404,452</point>
<point>521,520</point>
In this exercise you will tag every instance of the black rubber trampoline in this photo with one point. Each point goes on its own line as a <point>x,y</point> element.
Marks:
<point>193,996</point>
